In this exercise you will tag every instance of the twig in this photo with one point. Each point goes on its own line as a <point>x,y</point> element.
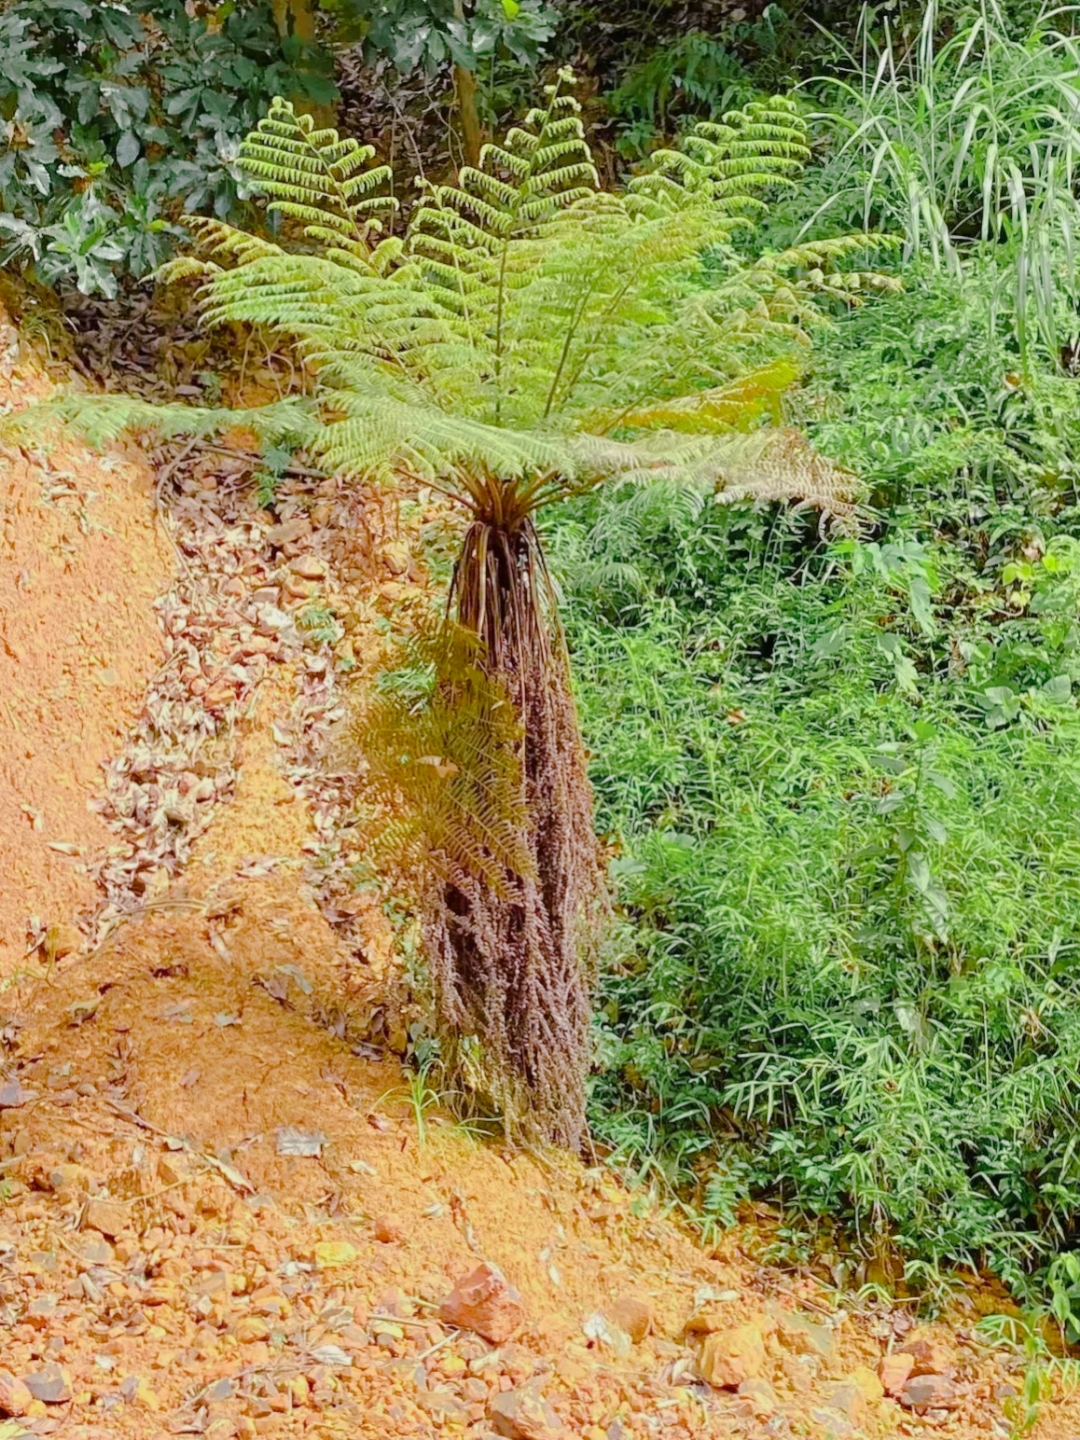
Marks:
<point>302,471</point>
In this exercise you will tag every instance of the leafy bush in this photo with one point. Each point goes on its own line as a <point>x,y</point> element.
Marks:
<point>842,777</point>
<point>116,119</point>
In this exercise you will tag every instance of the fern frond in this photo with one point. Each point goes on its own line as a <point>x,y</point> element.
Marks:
<point>324,182</point>
<point>102,419</point>
<point>731,163</point>
<point>438,744</point>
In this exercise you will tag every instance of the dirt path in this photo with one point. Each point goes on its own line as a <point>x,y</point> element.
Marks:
<point>223,1213</point>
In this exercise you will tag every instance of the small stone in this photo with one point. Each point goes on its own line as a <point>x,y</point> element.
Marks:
<point>61,941</point>
<point>40,1311</point>
<point>388,1230</point>
<point>760,1397</point>
<point>923,1392</point>
<point>308,567</point>
<point>632,1316</point>
<point>51,1385</point>
<point>12,1095</point>
<point>731,1356</point>
<point>524,1414</point>
<point>96,1252</point>
<point>68,1177</point>
<point>867,1383</point>
<point>15,1397</point>
<point>850,1401</point>
<point>443,1405</point>
<point>930,1355</point>
<point>290,530</point>
<point>137,1391</point>
<point>251,1328</point>
<point>805,1337</point>
<point>396,555</point>
<point>265,595</point>
<point>297,589</point>
<point>893,1371</point>
<point>486,1302</point>
<point>107,1217</point>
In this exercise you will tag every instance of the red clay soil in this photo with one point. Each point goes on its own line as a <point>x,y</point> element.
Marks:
<point>81,563</point>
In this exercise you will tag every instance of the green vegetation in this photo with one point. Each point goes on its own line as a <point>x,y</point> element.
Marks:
<point>118,119</point>
<point>842,772</point>
<point>835,751</point>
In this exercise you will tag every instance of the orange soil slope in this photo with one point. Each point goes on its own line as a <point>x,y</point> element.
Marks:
<point>81,563</point>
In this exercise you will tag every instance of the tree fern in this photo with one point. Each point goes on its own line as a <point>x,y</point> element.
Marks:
<point>530,337</point>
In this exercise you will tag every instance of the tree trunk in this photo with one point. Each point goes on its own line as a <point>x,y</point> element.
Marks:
<point>296,20</point>
<point>468,114</point>
<point>513,959</point>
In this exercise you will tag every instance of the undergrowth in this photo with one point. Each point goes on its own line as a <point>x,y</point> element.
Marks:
<point>840,777</point>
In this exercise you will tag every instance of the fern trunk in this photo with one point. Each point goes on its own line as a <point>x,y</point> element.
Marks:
<point>513,958</point>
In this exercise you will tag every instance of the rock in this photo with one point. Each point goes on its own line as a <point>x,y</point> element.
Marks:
<point>486,1302</point>
<point>12,1095</point>
<point>251,1328</point>
<point>15,1397</point>
<point>308,567</point>
<point>443,1405</point>
<point>731,1356</point>
<point>524,1414</point>
<point>867,1383</point>
<point>107,1217</point>
<point>930,1355</point>
<point>68,1177</point>
<point>632,1316</point>
<point>709,1319</point>
<point>51,1385</point>
<point>924,1392</point>
<point>137,1390</point>
<point>850,1401</point>
<point>894,1370</point>
<point>760,1398</point>
<point>41,1311</point>
<point>388,1230</point>
<point>805,1337</point>
<point>295,529</point>
<point>61,941</point>
<point>93,1251</point>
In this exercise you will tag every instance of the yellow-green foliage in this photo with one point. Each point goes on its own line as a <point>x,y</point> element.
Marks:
<point>529,328</point>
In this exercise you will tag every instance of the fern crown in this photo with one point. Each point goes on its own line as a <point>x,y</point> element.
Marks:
<point>531,334</point>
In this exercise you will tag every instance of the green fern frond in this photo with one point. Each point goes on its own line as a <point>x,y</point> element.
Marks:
<point>732,163</point>
<point>102,419</point>
<point>322,181</point>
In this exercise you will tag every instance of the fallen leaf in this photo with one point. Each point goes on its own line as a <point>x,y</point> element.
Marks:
<point>291,1141</point>
<point>330,1254</point>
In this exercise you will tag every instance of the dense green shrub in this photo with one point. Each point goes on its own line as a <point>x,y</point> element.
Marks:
<point>844,777</point>
<point>117,118</point>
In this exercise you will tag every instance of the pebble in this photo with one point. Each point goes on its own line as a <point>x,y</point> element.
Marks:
<point>51,1385</point>
<point>107,1217</point>
<point>486,1302</point>
<point>15,1396</point>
